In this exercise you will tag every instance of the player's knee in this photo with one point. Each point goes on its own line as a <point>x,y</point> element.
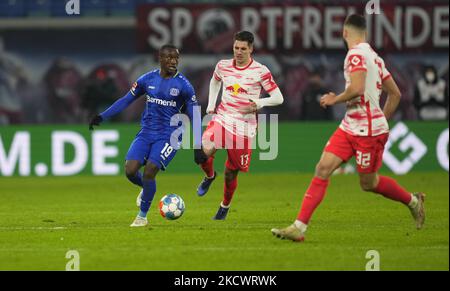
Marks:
<point>150,172</point>
<point>323,170</point>
<point>208,149</point>
<point>367,185</point>
<point>149,175</point>
<point>130,173</point>
<point>210,152</point>
<point>230,176</point>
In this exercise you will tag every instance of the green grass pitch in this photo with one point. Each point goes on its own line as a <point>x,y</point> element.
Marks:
<point>42,218</point>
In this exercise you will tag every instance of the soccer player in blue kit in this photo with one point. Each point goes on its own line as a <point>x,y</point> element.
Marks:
<point>168,92</point>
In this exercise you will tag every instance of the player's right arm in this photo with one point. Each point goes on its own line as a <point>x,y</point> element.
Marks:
<point>357,69</point>
<point>393,96</point>
<point>214,88</point>
<point>136,91</point>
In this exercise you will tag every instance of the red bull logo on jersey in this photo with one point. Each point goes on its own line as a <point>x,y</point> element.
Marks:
<point>236,89</point>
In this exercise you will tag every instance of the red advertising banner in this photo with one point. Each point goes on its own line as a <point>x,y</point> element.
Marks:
<point>289,28</point>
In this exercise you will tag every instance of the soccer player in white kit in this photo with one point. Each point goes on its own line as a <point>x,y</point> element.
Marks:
<point>363,133</point>
<point>234,125</point>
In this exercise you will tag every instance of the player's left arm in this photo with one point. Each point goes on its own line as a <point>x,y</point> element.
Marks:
<point>275,99</point>
<point>393,96</point>
<point>271,87</point>
<point>390,87</point>
<point>356,89</point>
<point>136,91</point>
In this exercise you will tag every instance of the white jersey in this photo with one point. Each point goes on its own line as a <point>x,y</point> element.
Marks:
<point>364,115</point>
<point>239,85</point>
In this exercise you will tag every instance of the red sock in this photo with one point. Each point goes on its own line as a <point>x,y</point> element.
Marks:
<point>208,167</point>
<point>389,188</point>
<point>228,191</point>
<point>314,195</point>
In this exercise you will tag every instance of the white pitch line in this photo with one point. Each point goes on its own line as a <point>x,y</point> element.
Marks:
<point>33,228</point>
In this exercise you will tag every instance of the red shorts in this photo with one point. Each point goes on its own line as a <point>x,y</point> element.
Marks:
<point>368,150</point>
<point>238,148</point>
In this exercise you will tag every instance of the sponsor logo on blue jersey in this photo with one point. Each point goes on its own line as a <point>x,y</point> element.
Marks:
<point>161,102</point>
<point>174,92</point>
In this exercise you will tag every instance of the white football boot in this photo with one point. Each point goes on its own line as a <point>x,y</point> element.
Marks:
<point>139,222</point>
<point>291,232</point>
<point>418,212</point>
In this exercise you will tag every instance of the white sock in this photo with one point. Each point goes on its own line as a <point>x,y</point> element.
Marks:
<point>301,226</point>
<point>223,206</point>
<point>414,201</point>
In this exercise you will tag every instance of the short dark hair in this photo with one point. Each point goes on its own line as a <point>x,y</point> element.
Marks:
<point>245,36</point>
<point>167,46</point>
<point>357,21</point>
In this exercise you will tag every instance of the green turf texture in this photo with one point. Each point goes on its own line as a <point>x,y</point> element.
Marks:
<point>42,218</point>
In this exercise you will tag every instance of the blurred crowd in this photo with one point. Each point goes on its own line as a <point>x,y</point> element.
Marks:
<point>63,94</point>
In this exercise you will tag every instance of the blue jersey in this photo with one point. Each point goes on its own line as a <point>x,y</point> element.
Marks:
<point>165,98</point>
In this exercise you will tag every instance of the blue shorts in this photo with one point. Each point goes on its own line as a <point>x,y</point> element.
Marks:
<point>145,149</point>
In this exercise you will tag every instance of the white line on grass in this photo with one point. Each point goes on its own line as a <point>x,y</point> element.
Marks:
<point>33,228</point>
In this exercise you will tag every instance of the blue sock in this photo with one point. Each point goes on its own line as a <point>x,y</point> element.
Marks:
<point>147,196</point>
<point>137,179</point>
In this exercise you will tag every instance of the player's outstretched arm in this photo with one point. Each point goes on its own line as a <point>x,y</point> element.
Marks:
<point>96,120</point>
<point>116,108</point>
<point>214,88</point>
<point>393,99</point>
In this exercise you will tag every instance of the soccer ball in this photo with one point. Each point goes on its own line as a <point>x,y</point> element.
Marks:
<point>171,206</point>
